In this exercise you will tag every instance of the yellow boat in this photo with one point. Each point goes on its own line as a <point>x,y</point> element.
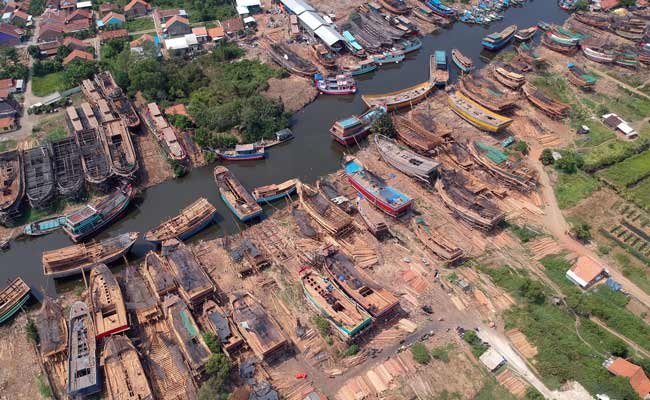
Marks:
<point>401,98</point>
<point>476,114</point>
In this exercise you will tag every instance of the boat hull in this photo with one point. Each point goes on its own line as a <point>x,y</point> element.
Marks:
<point>190,232</point>
<point>278,196</point>
<point>105,223</point>
<point>498,45</point>
<point>237,214</point>
<point>77,271</point>
<point>247,157</point>
<point>13,310</point>
<point>379,203</point>
<point>352,139</point>
<point>460,65</point>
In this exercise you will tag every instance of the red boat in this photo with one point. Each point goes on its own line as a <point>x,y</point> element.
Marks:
<point>340,84</point>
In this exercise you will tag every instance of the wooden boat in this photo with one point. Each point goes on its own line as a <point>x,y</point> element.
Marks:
<point>395,6</point>
<point>330,191</point>
<point>186,333</point>
<point>544,25</point>
<point>83,374</point>
<point>642,13</point>
<point>401,98</point>
<point>389,57</point>
<point>286,58</point>
<point>551,107</point>
<point>629,33</point>
<point>435,242</point>
<point>471,207</point>
<point>260,331</point>
<point>374,299</point>
<point>165,133</point>
<point>373,219</point>
<point>323,55</point>
<point>352,130</point>
<point>268,193</point>
<point>580,77</point>
<point>384,197</point>
<point>464,63</point>
<point>194,284</point>
<point>327,214</point>
<point>486,94</point>
<point>409,45</point>
<point>526,34</point>
<point>120,102</point>
<point>124,161</point>
<point>345,316</point>
<point>498,40</point>
<point>107,303</point>
<point>598,54</point>
<point>140,298</point>
<point>39,176</point>
<point>627,59</point>
<point>52,329</point>
<point>600,21</point>
<point>44,226</point>
<point>567,50</point>
<point>505,75</point>
<point>12,298</point>
<point>71,260</point>
<point>216,320</point>
<point>242,152</point>
<point>12,184</point>
<point>362,67</point>
<point>94,156</point>
<point>91,219</point>
<point>156,272</point>
<point>426,15</point>
<point>441,9</point>
<point>405,160</point>
<point>439,68</point>
<point>191,220</point>
<point>528,54</point>
<point>476,114</point>
<point>341,84</point>
<point>415,136</point>
<point>513,173</point>
<point>233,193</point>
<point>125,377</point>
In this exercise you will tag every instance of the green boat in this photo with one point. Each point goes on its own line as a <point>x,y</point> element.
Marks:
<point>12,298</point>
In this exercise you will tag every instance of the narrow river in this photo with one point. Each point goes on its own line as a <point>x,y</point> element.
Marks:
<point>310,155</point>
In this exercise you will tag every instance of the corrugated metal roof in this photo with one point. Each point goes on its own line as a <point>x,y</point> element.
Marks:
<point>249,3</point>
<point>328,35</point>
<point>297,6</point>
<point>311,19</point>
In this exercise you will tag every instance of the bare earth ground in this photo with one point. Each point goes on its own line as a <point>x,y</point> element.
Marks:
<point>295,92</point>
<point>20,365</point>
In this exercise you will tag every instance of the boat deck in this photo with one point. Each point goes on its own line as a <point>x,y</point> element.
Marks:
<point>186,333</point>
<point>262,334</point>
<point>194,285</point>
<point>107,302</point>
<point>125,377</point>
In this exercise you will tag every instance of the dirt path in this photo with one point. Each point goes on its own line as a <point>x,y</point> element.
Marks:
<point>622,84</point>
<point>629,342</point>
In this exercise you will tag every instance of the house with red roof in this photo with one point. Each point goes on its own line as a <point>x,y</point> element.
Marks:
<point>216,34</point>
<point>73,43</point>
<point>607,5</point>
<point>638,379</point>
<point>115,34</point>
<point>77,55</point>
<point>110,20</point>
<point>177,26</point>
<point>10,35</point>
<point>201,34</point>
<point>137,8</point>
<point>586,272</point>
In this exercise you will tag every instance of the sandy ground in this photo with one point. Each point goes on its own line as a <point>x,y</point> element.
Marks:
<point>295,92</point>
<point>20,365</point>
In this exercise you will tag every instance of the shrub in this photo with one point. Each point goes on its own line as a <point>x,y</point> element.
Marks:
<point>441,353</point>
<point>475,343</point>
<point>420,353</point>
<point>322,325</point>
<point>384,126</point>
<point>218,366</point>
<point>212,341</point>
<point>581,231</point>
<point>32,332</point>
<point>546,157</point>
<point>351,351</point>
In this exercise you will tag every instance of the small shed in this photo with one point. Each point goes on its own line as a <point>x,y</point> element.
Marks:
<point>492,359</point>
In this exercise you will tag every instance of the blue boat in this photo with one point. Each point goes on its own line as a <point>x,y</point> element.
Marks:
<point>352,44</point>
<point>498,40</point>
<point>242,152</point>
<point>269,193</point>
<point>44,226</point>
<point>441,9</point>
<point>12,298</point>
<point>409,45</point>
<point>439,68</point>
<point>233,193</point>
<point>395,56</point>
<point>362,67</point>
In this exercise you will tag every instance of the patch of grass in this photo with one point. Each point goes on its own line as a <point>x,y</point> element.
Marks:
<point>140,24</point>
<point>420,353</point>
<point>32,332</point>
<point>598,133</point>
<point>441,353</point>
<point>48,84</point>
<point>44,388</point>
<point>321,324</point>
<point>629,171</point>
<point>524,233</point>
<point>351,351</point>
<point>7,145</point>
<point>571,188</point>
<point>629,106</point>
<point>492,390</point>
<point>613,151</point>
<point>475,343</point>
<point>554,85</point>
<point>640,194</point>
<point>56,134</point>
<point>446,395</point>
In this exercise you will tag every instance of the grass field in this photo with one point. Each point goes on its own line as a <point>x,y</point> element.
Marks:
<point>629,171</point>
<point>140,24</point>
<point>640,194</point>
<point>613,151</point>
<point>571,188</point>
<point>628,106</point>
<point>598,133</point>
<point>50,83</point>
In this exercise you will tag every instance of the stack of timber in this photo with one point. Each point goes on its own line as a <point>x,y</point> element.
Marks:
<point>515,174</point>
<point>92,146</point>
<point>506,75</point>
<point>599,54</point>
<point>123,158</point>
<point>140,299</point>
<point>114,93</point>
<point>528,54</point>
<point>401,98</point>
<point>194,285</point>
<point>486,94</point>
<point>236,197</point>
<point>600,21</point>
<point>165,133</point>
<point>373,219</point>
<point>71,260</point>
<point>83,373</point>
<point>12,184</point>
<point>581,78</point>
<point>156,272</point>
<point>415,136</point>
<point>375,18</point>
<point>286,58</point>
<point>67,167</point>
<point>552,108</point>
<point>217,321</point>
<point>125,378</point>
<point>345,316</point>
<point>477,115</point>
<point>169,376</point>
<point>326,213</point>
<point>89,90</point>
<point>260,331</point>
<point>186,333</point>
<point>376,300</point>
<point>405,160</point>
<point>107,303</point>
<point>471,207</point>
<point>566,49</point>
<point>12,298</point>
<point>52,329</point>
<point>39,176</point>
<point>190,221</point>
<point>436,243</point>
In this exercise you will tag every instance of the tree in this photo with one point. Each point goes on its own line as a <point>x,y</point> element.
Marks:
<point>533,291</point>
<point>582,5</point>
<point>384,126</point>
<point>420,353</point>
<point>546,157</point>
<point>581,231</point>
<point>146,75</point>
<point>321,324</point>
<point>521,147</point>
<point>62,52</point>
<point>218,366</point>
<point>533,394</point>
<point>212,341</point>
<point>35,52</point>
<point>212,389</point>
<point>570,162</point>
<point>78,70</point>
<point>352,350</point>
<point>260,118</point>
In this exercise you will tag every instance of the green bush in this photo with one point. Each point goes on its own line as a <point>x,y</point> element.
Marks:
<point>32,332</point>
<point>384,126</point>
<point>351,351</point>
<point>420,353</point>
<point>44,388</point>
<point>322,325</point>
<point>531,392</point>
<point>441,353</point>
<point>475,343</point>
<point>581,230</point>
<point>212,341</point>
<point>524,233</point>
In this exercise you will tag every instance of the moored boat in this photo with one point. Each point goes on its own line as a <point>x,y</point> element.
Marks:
<point>125,377</point>
<point>498,40</point>
<point>389,57</point>
<point>191,220</point>
<point>44,226</point>
<point>375,189</point>
<point>83,374</point>
<point>409,45</point>
<point>426,15</point>
<point>242,152</point>
<point>558,47</point>
<point>476,114</point>
<point>233,193</point>
<point>268,193</point>
<point>71,260</point>
<point>441,9</point>
<point>12,298</point>
<point>436,242</point>
<point>12,184</point>
<point>323,55</point>
<point>353,129</point>
<point>107,303</point>
<point>598,54</point>
<point>395,6</point>
<point>320,208</point>
<point>286,58</point>
<point>439,68</point>
<point>551,107</point>
<point>341,84</point>
<point>398,99</point>
<point>463,62</point>
<point>600,21</point>
<point>405,160</point>
<point>39,176</point>
<point>526,34</point>
<point>362,67</point>
<point>511,172</point>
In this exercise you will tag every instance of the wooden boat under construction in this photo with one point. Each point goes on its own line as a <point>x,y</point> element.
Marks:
<point>39,176</point>
<point>12,184</point>
<point>140,299</point>
<point>598,54</point>
<point>581,78</point>
<point>125,377</point>
<point>268,193</point>
<point>12,298</point>
<point>486,94</point>
<point>94,155</point>
<point>345,315</point>
<point>399,99</point>
<point>124,161</point>
<point>600,21</point>
<point>194,285</point>
<point>506,76</point>
<point>323,55</point>
<point>236,197</point>
<point>415,136</point>
<point>550,107</point>
<point>477,115</point>
<point>373,219</point>
<point>471,207</point>
<point>260,331</point>
<point>68,170</point>
<point>568,50</point>
<point>52,329</point>
<point>186,333</point>
<point>376,300</point>
<point>120,102</point>
<point>156,272</point>
<point>405,160</point>
<point>286,58</point>
<point>107,303</point>
<point>83,373</point>
<point>71,260</point>
<point>435,242</point>
<point>191,220</point>
<point>515,174</point>
<point>395,6</point>
<point>327,214</point>
<point>217,321</point>
<point>528,54</point>
<point>526,34</point>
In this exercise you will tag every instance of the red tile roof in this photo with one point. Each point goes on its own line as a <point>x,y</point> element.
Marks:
<point>6,122</point>
<point>116,34</point>
<point>200,31</point>
<point>638,379</point>
<point>11,30</point>
<point>233,25</point>
<point>216,32</point>
<point>77,54</point>
<point>177,18</point>
<point>608,4</point>
<point>177,109</point>
<point>134,2</point>
<point>21,14</point>
<point>6,83</point>
<point>79,14</point>
<point>587,269</point>
<point>112,15</point>
<point>74,42</point>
